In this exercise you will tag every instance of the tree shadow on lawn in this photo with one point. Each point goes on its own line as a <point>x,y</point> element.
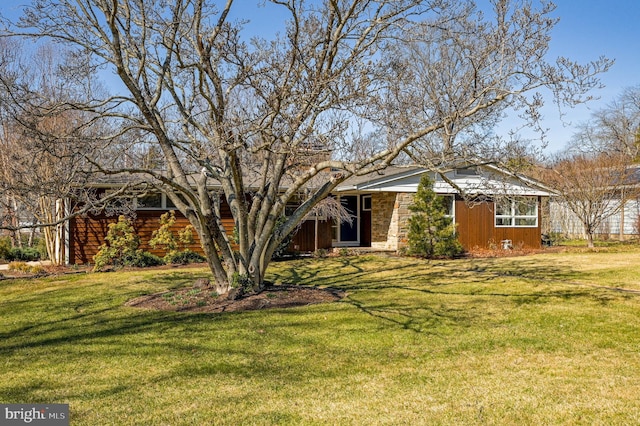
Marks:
<point>127,332</point>
<point>427,286</point>
<point>189,347</point>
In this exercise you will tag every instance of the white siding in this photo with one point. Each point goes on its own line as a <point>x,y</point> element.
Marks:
<point>563,221</point>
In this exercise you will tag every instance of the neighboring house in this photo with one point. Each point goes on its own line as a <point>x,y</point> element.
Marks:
<point>620,222</point>
<point>623,224</point>
<point>492,208</point>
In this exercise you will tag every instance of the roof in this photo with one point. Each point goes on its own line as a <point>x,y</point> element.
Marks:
<point>487,179</point>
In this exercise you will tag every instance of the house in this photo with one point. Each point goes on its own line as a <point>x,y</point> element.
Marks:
<point>615,208</point>
<point>85,234</point>
<point>490,206</point>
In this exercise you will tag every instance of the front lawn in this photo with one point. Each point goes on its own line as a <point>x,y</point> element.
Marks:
<point>541,339</point>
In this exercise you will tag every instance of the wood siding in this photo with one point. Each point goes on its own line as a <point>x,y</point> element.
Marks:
<point>476,228</point>
<point>87,234</point>
<point>304,240</point>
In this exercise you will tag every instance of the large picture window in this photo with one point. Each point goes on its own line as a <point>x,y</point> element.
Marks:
<point>517,212</point>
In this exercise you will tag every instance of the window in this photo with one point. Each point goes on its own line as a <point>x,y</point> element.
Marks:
<point>154,201</point>
<point>366,203</point>
<point>449,205</point>
<point>517,212</point>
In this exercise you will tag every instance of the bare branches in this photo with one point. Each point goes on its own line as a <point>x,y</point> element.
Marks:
<point>593,188</point>
<point>266,119</point>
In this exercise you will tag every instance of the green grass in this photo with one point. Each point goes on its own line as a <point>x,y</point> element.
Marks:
<point>542,339</point>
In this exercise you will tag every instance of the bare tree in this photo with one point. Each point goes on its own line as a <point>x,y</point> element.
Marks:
<point>268,119</point>
<point>613,129</point>
<point>42,160</point>
<point>593,188</point>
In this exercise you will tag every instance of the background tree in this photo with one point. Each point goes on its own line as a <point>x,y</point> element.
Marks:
<point>43,146</point>
<point>431,232</point>
<point>593,188</point>
<point>613,129</point>
<point>267,119</point>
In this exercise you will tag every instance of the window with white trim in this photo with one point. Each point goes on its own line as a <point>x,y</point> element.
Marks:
<point>366,203</point>
<point>517,212</point>
<point>154,201</point>
<point>449,202</point>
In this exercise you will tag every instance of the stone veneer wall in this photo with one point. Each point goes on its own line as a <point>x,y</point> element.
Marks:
<point>389,219</point>
<point>381,211</point>
<point>401,210</point>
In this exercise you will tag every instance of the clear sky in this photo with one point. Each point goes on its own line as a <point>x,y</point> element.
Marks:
<point>587,30</point>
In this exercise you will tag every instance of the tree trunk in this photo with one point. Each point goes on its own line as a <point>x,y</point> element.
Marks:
<point>590,240</point>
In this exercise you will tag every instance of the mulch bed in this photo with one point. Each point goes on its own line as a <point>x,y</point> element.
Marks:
<point>194,299</point>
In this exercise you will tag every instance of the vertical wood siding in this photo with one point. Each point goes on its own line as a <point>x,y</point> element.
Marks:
<point>87,234</point>
<point>476,228</point>
<point>304,240</point>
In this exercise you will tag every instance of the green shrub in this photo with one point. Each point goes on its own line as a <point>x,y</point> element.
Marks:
<point>165,238</point>
<point>431,232</point>
<point>242,281</point>
<point>143,259</point>
<point>121,248</point>
<point>26,254</point>
<point>184,257</point>
<point>5,247</point>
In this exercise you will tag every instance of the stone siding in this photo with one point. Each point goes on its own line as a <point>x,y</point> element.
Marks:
<point>389,220</point>
<point>401,210</point>
<point>382,204</point>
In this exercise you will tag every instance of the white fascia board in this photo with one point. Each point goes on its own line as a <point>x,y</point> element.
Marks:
<point>382,183</point>
<point>468,186</point>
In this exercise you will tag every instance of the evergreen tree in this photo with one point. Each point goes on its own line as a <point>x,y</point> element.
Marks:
<point>431,231</point>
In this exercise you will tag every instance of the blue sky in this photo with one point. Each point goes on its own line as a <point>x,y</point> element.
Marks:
<point>587,30</point>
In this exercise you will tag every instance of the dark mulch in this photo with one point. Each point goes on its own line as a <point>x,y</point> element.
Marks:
<point>194,299</point>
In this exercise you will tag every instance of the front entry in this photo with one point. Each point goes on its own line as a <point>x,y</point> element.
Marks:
<point>349,231</point>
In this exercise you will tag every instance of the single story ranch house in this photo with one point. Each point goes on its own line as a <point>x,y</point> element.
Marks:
<point>491,208</point>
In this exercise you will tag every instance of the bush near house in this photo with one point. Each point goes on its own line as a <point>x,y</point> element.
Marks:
<point>122,248</point>
<point>23,254</point>
<point>165,238</point>
<point>431,231</point>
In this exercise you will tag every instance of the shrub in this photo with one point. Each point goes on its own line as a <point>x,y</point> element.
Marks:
<point>241,281</point>
<point>320,253</point>
<point>184,257</point>
<point>24,267</point>
<point>144,259</point>
<point>26,254</point>
<point>121,248</point>
<point>431,231</point>
<point>5,247</point>
<point>165,238</point>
